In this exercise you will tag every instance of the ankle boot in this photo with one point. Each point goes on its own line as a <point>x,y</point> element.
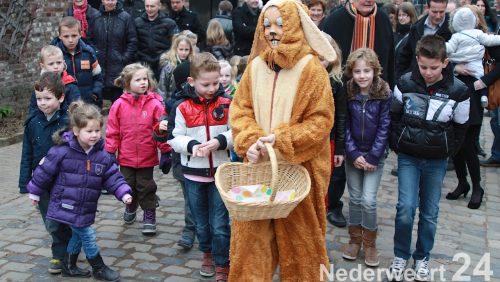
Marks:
<point>370,247</point>
<point>352,249</point>
<point>477,196</point>
<point>70,269</point>
<point>130,212</point>
<point>149,227</point>
<point>100,271</point>
<point>463,187</point>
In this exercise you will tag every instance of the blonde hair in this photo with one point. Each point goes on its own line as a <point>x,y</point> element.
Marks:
<point>481,22</point>
<point>334,68</point>
<point>171,55</point>
<point>203,62</point>
<point>81,113</point>
<point>215,34</point>
<point>49,50</point>
<point>128,72</point>
<point>225,64</point>
<point>239,64</point>
<point>366,54</point>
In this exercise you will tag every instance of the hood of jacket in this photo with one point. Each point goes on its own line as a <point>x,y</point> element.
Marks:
<point>463,19</point>
<point>66,136</point>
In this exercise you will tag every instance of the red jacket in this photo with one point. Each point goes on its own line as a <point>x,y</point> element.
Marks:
<point>130,123</point>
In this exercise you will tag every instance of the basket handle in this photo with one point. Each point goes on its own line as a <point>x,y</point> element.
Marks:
<point>274,169</point>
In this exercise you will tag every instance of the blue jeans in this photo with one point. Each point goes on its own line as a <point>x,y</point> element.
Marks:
<point>189,230</point>
<point>83,237</point>
<point>59,232</point>
<point>495,127</point>
<point>419,185</point>
<point>363,187</point>
<point>211,218</point>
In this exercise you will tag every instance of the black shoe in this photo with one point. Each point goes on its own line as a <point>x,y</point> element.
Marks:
<point>476,198</point>
<point>481,152</point>
<point>70,269</point>
<point>100,271</point>
<point>462,188</point>
<point>336,218</point>
<point>490,163</point>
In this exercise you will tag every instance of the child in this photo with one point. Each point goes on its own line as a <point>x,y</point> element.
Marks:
<point>466,45</point>
<point>193,37</point>
<point>366,138</point>
<point>217,43</point>
<point>226,78</point>
<point>203,138</point>
<point>81,60</point>
<point>180,51</point>
<point>74,172</point>
<point>130,123</point>
<point>52,60</point>
<point>239,65</point>
<point>429,115</point>
<point>39,127</point>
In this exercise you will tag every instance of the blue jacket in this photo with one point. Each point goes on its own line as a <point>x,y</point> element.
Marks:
<point>368,122</point>
<point>75,180</point>
<point>84,67</point>
<point>71,93</point>
<point>37,141</point>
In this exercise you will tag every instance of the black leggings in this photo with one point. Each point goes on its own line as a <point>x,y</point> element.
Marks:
<point>467,156</point>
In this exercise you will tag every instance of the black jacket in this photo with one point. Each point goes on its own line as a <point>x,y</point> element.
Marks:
<point>339,26</point>
<point>406,58</point>
<point>244,24</point>
<point>186,19</point>
<point>429,122</point>
<point>115,38</point>
<point>91,14</point>
<point>221,52</point>
<point>154,37</point>
<point>227,25</point>
<point>338,131</point>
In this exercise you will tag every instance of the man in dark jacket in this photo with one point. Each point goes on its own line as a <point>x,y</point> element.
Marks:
<point>435,22</point>
<point>114,36</point>
<point>154,34</point>
<point>187,19</point>
<point>244,23</point>
<point>381,41</point>
<point>226,20</point>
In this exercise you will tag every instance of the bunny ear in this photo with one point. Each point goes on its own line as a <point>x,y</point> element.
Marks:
<point>313,35</point>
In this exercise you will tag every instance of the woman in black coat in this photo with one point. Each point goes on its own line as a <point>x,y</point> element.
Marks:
<point>114,35</point>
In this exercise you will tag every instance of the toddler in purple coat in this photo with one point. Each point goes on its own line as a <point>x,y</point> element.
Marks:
<point>75,171</point>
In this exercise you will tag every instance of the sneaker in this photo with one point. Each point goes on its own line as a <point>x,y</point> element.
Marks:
<point>397,269</point>
<point>221,273</point>
<point>207,267</point>
<point>130,214</point>
<point>422,270</point>
<point>55,266</point>
<point>484,101</point>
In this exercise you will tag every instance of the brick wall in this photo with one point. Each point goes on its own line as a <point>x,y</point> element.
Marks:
<point>17,74</point>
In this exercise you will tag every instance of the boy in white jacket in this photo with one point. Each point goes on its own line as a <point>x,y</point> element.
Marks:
<point>466,45</point>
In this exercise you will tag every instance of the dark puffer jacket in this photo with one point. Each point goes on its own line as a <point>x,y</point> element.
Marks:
<point>244,24</point>
<point>84,67</point>
<point>221,52</point>
<point>429,121</point>
<point>227,25</point>
<point>115,38</point>
<point>368,122</point>
<point>154,38</point>
<point>75,179</point>
<point>186,19</point>
<point>37,140</point>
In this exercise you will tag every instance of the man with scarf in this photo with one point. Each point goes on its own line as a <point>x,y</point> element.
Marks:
<point>356,25</point>
<point>84,13</point>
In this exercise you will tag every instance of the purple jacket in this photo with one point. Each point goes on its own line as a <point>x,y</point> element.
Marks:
<point>75,180</point>
<point>368,124</point>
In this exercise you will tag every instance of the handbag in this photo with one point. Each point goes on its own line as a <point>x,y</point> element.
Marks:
<point>489,64</point>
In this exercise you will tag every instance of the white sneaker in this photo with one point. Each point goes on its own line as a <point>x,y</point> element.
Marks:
<point>422,270</point>
<point>397,269</point>
<point>484,101</point>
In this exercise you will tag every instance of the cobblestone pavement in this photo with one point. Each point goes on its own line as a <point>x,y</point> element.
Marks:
<point>25,245</point>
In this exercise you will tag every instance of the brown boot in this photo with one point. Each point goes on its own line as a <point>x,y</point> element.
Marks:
<point>370,247</point>
<point>352,249</point>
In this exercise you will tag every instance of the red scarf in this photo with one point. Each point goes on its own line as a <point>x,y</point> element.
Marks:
<point>363,34</point>
<point>80,13</point>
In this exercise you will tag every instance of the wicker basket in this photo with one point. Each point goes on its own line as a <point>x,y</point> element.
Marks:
<point>280,176</point>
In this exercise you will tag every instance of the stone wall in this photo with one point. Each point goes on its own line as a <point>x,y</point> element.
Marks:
<point>19,66</point>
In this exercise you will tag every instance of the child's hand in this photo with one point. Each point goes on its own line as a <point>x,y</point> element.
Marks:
<point>370,168</point>
<point>34,202</point>
<point>163,125</point>
<point>210,146</point>
<point>271,138</point>
<point>253,154</point>
<point>127,199</point>
<point>197,151</point>
<point>479,84</point>
<point>360,163</point>
<point>337,160</point>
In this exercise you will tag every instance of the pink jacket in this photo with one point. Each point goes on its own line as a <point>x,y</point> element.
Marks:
<point>130,127</point>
